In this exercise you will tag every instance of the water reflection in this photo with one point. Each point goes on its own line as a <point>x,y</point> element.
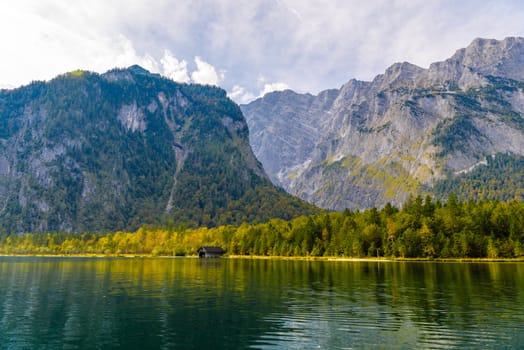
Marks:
<point>49,303</point>
<point>409,305</point>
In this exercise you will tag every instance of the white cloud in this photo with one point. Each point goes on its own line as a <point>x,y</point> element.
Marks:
<point>273,87</point>
<point>311,45</point>
<point>47,43</point>
<point>173,68</point>
<point>206,74</point>
<point>240,95</point>
<point>123,54</point>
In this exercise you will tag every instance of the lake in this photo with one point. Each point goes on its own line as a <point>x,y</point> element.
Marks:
<point>186,303</point>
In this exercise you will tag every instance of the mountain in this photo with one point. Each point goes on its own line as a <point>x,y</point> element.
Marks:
<point>91,152</point>
<point>369,143</point>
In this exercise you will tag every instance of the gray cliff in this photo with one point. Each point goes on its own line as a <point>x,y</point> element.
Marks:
<point>369,143</point>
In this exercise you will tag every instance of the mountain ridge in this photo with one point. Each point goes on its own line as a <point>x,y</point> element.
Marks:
<point>380,141</point>
<point>112,151</point>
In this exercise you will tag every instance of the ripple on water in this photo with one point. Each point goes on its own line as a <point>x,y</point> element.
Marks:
<point>185,304</point>
<point>350,324</point>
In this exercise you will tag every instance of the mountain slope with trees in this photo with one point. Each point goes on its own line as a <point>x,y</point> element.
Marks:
<point>91,152</point>
<point>498,177</point>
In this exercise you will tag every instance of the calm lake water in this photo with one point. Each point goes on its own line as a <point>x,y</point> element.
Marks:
<point>77,303</point>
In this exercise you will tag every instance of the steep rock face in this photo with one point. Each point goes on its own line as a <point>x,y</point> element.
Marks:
<point>89,152</point>
<point>277,149</point>
<point>380,141</point>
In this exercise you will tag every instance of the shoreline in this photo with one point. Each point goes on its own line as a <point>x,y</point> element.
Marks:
<point>372,259</point>
<point>265,257</point>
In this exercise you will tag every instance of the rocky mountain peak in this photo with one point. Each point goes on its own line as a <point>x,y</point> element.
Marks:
<point>470,66</point>
<point>128,74</point>
<point>399,74</point>
<point>492,57</point>
<point>138,69</point>
<point>375,142</point>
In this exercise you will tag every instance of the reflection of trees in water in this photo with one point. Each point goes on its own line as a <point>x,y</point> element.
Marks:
<point>235,303</point>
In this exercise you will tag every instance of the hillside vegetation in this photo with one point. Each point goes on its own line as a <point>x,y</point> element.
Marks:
<point>91,152</point>
<point>499,177</point>
<point>421,229</point>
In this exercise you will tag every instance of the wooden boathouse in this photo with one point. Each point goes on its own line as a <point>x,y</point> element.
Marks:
<point>210,252</point>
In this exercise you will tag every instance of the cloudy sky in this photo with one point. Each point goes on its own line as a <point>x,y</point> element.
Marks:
<point>248,47</point>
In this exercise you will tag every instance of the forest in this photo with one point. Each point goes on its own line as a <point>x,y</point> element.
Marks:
<point>499,178</point>
<point>422,228</point>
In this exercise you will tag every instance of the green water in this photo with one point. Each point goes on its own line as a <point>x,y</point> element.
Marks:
<point>73,303</point>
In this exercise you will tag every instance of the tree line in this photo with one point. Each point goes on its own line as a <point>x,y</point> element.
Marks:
<point>422,228</point>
